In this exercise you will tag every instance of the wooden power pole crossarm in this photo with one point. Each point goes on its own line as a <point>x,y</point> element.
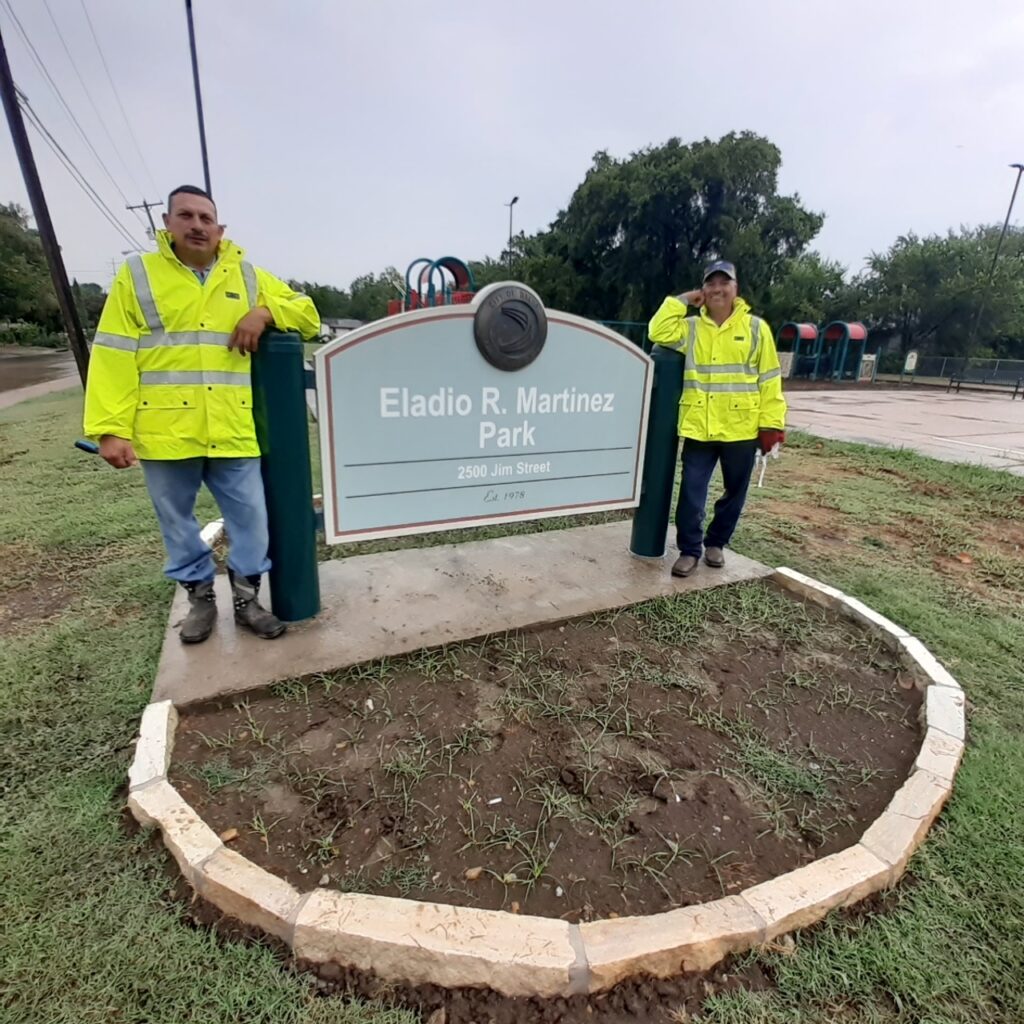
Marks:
<point>41,213</point>
<point>147,206</point>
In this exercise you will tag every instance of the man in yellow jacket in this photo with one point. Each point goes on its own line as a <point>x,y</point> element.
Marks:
<point>731,405</point>
<point>169,385</point>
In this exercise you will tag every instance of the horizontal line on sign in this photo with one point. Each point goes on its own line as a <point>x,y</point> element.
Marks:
<point>466,458</point>
<point>502,482</point>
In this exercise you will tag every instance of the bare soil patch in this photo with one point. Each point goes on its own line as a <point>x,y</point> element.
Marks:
<point>624,764</point>
<point>30,605</point>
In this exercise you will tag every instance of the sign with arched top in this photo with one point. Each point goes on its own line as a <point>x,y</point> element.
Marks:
<point>493,411</point>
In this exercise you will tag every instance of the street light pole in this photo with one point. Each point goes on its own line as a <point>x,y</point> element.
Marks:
<point>515,199</point>
<point>1006,223</point>
<point>1019,168</point>
<point>199,96</point>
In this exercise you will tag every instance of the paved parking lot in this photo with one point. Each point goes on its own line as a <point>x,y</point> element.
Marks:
<point>969,427</point>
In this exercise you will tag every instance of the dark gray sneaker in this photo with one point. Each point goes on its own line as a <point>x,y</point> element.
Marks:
<point>685,565</point>
<point>249,612</point>
<point>202,613</point>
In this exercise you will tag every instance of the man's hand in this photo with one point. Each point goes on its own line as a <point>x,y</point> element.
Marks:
<point>246,335</point>
<point>768,439</point>
<point>117,452</point>
<point>694,298</point>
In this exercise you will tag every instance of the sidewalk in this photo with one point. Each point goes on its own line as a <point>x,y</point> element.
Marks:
<point>380,605</point>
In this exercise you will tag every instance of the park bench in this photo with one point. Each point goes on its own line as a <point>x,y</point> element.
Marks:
<point>1001,379</point>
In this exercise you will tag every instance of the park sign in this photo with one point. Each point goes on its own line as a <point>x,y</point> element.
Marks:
<point>465,415</point>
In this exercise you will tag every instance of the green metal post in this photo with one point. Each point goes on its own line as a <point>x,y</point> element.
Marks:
<point>650,521</point>
<point>282,429</point>
<point>844,352</point>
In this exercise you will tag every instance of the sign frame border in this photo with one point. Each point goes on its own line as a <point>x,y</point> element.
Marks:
<point>321,359</point>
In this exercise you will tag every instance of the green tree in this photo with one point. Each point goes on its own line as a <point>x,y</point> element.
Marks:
<point>489,271</point>
<point>931,290</point>
<point>643,227</point>
<point>809,289</point>
<point>371,293</point>
<point>89,299</point>
<point>366,299</point>
<point>329,301</point>
<point>25,289</point>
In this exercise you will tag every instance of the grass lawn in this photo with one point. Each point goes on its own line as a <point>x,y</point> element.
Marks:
<point>87,933</point>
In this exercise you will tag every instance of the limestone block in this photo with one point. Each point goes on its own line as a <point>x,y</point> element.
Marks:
<point>917,654</point>
<point>944,710</point>
<point>805,586</point>
<point>902,826</point>
<point>690,939</point>
<point>248,893</point>
<point>862,613</point>
<point>940,754</point>
<point>437,944</point>
<point>155,743</point>
<point>188,838</point>
<point>806,895</point>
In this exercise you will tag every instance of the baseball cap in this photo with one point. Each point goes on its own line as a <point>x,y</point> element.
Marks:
<point>720,267</point>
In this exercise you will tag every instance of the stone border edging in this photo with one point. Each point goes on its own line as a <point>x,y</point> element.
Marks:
<point>414,942</point>
<point>212,532</point>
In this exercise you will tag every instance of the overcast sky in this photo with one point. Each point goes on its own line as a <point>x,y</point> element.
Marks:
<point>348,136</point>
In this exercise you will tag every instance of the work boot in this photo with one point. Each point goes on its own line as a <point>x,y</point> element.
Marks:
<point>685,565</point>
<point>202,613</point>
<point>715,557</point>
<point>249,612</point>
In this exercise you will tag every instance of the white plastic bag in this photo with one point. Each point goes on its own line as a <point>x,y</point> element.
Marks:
<point>761,460</point>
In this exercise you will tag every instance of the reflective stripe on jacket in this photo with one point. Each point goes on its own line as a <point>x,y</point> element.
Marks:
<point>161,374</point>
<point>732,383</point>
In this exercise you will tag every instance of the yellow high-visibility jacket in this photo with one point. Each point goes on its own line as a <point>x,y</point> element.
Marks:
<point>161,374</point>
<point>732,383</point>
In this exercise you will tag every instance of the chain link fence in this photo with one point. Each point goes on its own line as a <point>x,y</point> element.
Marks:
<point>996,371</point>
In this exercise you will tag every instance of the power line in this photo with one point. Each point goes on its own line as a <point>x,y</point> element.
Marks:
<point>82,183</point>
<point>88,96</point>
<point>147,206</point>
<point>73,170</point>
<point>75,173</point>
<point>117,96</point>
<point>53,85</point>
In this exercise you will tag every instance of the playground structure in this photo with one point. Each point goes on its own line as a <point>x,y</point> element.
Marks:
<point>837,351</point>
<point>447,281</point>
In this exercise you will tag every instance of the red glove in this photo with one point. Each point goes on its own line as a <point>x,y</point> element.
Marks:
<point>769,438</point>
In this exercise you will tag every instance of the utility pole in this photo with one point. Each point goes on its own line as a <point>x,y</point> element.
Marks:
<point>147,206</point>
<point>114,264</point>
<point>199,95</point>
<point>41,213</point>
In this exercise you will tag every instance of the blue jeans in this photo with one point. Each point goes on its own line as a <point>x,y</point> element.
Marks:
<point>237,486</point>
<point>699,460</point>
